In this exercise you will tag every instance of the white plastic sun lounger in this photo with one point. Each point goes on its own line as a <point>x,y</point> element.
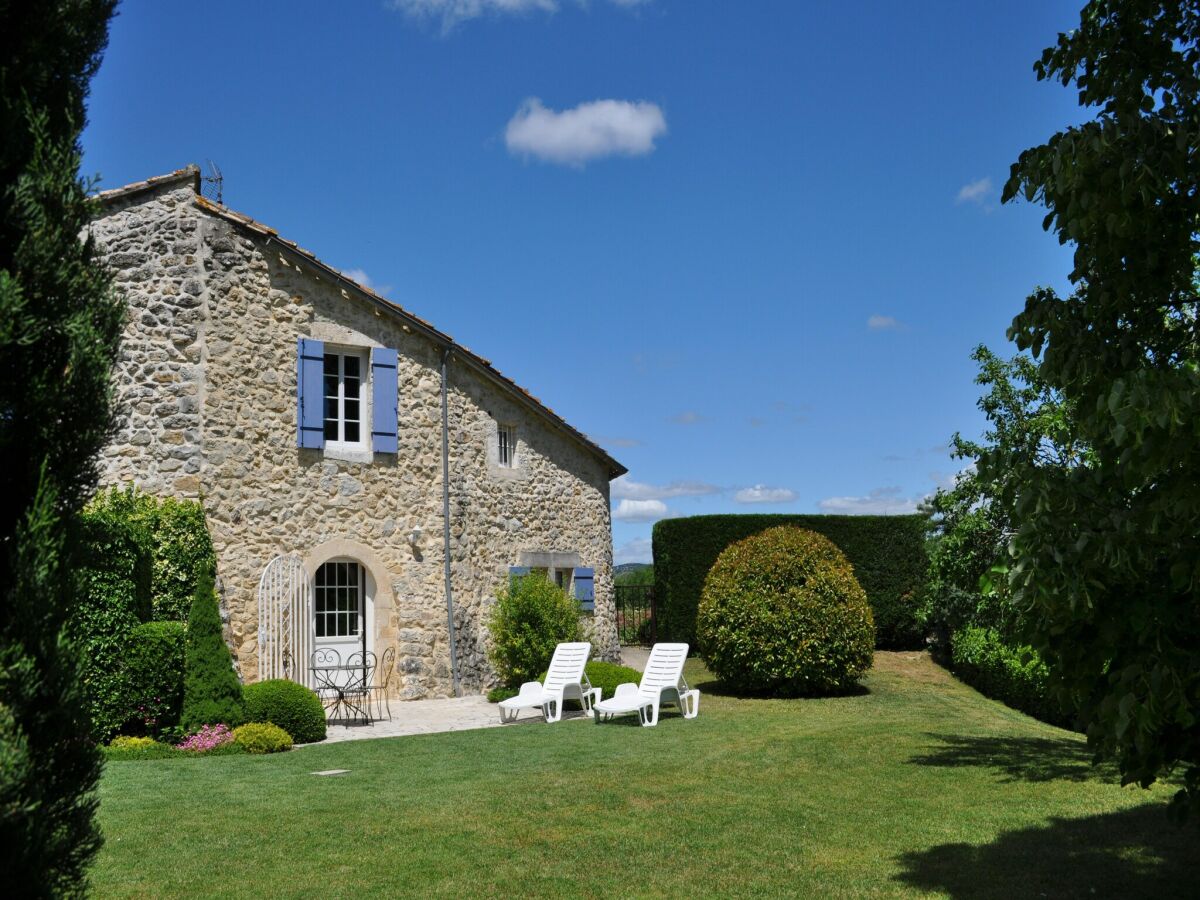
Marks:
<point>662,682</point>
<point>565,680</point>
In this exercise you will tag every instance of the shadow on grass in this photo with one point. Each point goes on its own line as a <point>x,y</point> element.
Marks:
<point>1134,853</point>
<point>1019,759</point>
<point>721,689</point>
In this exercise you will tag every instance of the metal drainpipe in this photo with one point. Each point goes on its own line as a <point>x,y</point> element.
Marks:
<point>446,522</point>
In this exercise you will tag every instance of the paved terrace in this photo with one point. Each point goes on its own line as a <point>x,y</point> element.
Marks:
<point>453,714</point>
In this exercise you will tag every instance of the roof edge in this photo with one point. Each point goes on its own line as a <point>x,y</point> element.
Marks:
<point>187,173</point>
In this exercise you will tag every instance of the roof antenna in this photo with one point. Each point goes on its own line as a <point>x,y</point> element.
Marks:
<point>212,184</point>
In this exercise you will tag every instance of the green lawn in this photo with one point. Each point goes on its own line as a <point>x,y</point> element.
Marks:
<point>917,786</point>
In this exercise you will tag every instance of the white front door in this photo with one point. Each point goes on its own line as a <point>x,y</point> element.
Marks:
<point>341,608</point>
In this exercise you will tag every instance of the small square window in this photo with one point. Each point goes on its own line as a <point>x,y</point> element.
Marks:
<point>506,452</point>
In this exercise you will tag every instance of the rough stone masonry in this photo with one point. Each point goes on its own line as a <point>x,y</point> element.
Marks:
<point>206,389</point>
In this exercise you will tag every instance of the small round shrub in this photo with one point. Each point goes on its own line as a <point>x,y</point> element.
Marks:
<point>291,706</point>
<point>531,616</point>
<point>128,747</point>
<point>781,613</point>
<point>496,694</point>
<point>262,737</point>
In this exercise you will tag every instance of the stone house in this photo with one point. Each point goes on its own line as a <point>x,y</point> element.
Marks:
<point>315,420</point>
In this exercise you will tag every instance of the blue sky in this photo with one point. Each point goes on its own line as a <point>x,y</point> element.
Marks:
<point>746,246</point>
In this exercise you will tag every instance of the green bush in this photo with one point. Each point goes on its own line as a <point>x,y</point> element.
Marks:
<point>532,615</point>
<point>1016,676</point>
<point>127,748</point>
<point>887,552</point>
<point>496,694</point>
<point>607,676</point>
<point>112,573</point>
<point>291,706</point>
<point>262,737</point>
<point>212,693</point>
<point>154,659</point>
<point>782,614</point>
<point>180,545</point>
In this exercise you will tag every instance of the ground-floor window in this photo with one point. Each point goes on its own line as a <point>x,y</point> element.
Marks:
<point>338,600</point>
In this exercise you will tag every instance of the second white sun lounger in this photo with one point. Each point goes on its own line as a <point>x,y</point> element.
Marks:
<point>565,680</point>
<point>662,682</point>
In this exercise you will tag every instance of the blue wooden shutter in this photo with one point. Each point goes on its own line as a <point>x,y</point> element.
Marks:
<point>384,396</point>
<point>515,572</point>
<point>310,393</point>
<point>585,588</point>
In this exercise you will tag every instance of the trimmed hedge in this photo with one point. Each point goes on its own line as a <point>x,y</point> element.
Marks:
<point>1016,676</point>
<point>291,706</point>
<point>887,552</point>
<point>782,615</point>
<point>112,571</point>
<point>180,545</point>
<point>154,674</point>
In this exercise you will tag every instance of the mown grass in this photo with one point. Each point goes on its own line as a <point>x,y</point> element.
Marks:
<point>917,786</point>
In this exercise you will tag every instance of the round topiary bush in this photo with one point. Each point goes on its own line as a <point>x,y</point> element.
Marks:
<point>781,613</point>
<point>262,737</point>
<point>291,706</point>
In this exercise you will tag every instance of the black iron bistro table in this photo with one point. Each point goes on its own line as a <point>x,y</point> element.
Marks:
<point>349,694</point>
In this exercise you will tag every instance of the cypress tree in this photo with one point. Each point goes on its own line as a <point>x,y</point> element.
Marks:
<point>211,691</point>
<point>59,329</point>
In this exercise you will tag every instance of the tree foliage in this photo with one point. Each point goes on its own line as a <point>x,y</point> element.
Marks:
<point>1106,556</point>
<point>531,616</point>
<point>59,328</point>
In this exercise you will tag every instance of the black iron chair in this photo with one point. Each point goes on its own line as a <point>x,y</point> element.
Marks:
<point>356,693</point>
<point>380,690</point>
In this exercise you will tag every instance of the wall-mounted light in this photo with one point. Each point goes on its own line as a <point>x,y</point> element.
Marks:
<point>414,537</point>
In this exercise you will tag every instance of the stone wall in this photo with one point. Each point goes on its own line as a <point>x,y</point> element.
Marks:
<point>207,384</point>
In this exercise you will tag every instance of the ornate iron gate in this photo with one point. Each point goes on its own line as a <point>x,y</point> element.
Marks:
<point>635,614</point>
<point>284,620</point>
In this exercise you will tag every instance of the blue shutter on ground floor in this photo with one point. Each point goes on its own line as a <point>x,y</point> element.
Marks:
<point>310,393</point>
<point>385,395</point>
<point>515,572</point>
<point>585,588</point>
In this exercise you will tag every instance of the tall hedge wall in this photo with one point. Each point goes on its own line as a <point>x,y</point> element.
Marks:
<point>887,552</point>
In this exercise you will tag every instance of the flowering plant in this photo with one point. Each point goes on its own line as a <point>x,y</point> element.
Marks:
<point>208,737</point>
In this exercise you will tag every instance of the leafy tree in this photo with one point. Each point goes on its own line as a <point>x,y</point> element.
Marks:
<point>532,614</point>
<point>212,694</point>
<point>1029,420</point>
<point>1106,557</point>
<point>59,328</point>
<point>641,576</point>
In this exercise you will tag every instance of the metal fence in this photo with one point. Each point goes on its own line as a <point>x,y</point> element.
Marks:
<point>635,614</point>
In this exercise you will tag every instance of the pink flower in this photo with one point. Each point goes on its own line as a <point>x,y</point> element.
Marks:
<point>208,737</point>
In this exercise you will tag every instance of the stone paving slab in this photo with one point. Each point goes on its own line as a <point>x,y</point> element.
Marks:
<point>453,713</point>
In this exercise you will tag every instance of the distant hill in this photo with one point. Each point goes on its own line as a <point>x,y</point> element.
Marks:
<point>629,567</point>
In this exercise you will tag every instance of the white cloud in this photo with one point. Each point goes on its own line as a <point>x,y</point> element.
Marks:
<point>586,132</point>
<point>977,192</point>
<point>451,12</point>
<point>624,488</point>
<point>361,277</point>
<point>638,550</point>
<point>760,493</point>
<point>687,417</point>
<point>640,511</point>
<point>883,323</point>
<point>879,502</point>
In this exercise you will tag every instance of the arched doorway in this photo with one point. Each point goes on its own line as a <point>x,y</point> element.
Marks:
<point>343,607</point>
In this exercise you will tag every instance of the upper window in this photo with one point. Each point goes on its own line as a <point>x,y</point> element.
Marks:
<point>345,399</point>
<point>506,455</point>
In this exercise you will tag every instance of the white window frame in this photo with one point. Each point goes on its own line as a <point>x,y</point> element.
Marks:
<point>360,618</point>
<point>339,444</point>
<point>506,438</point>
